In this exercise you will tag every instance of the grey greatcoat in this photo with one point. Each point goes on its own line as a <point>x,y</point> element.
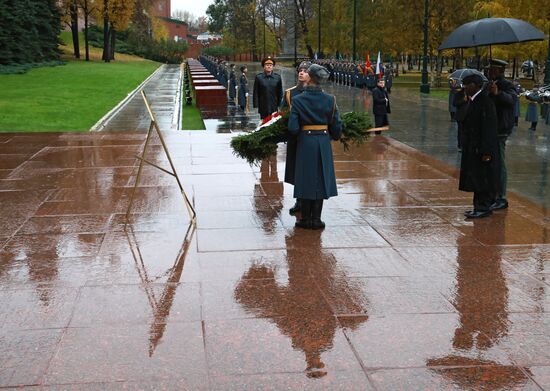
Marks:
<point>290,164</point>
<point>315,176</point>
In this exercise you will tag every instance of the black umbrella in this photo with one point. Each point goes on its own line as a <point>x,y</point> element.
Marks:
<point>491,31</point>
<point>460,74</point>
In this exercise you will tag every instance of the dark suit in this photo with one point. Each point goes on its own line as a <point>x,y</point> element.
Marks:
<point>380,106</point>
<point>480,138</point>
<point>268,92</point>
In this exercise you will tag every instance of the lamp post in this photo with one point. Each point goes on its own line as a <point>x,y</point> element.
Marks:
<point>425,87</point>
<point>319,32</point>
<point>264,32</point>
<point>354,28</point>
<point>547,72</point>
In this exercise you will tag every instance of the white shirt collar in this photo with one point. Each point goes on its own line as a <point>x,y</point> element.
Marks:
<point>476,94</point>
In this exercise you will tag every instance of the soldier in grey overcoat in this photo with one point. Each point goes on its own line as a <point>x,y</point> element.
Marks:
<point>315,119</point>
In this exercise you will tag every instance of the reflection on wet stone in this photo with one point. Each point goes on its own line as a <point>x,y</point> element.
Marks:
<point>298,308</point>
<point>400,292</point>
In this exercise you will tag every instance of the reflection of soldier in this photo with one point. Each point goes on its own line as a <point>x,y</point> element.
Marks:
<point>290,165</point>
<point>273,188</point>
<point>298,309</point>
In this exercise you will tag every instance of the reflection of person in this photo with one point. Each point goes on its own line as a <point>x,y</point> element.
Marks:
<point>298,307</point>
<point>243,88</point>
<point>380,105</point>
<point>481,300</point>
<point>481,292</point>
<point>273,189</point>
<point>504,96</point>
<point>315,119</point>
<point>479,162</point>
<point>290,165</point>
<point>268,89</point>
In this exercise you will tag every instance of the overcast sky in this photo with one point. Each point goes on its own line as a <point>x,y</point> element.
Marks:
<point>196,7</point>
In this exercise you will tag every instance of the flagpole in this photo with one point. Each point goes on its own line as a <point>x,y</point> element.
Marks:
<point>319,32</point>
<point>354,27</point>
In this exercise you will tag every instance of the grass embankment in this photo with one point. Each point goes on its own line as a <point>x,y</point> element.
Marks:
<point>191,118</point>
<point>72,97</point>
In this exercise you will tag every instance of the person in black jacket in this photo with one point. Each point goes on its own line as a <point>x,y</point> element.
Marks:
<point>243,88</point>
<point>380,105</point>
<point>268,89</point>
<point>479,163</point>
<point>503,94</point>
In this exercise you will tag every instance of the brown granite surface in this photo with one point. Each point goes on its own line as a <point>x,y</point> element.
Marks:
<point>399,292</point>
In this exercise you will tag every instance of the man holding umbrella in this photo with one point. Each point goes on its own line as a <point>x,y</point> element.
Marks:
<point>504,96</point>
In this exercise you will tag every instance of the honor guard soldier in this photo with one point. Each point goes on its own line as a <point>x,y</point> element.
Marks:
<point>243,89</point>
<point>290,165</point>
<point>315,119</point>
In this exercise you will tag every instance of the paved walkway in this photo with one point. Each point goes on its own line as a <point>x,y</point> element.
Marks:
<point>399,292</point>
<point>162,91</point>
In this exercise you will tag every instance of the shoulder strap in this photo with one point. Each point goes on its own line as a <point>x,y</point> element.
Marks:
<point>333,108</point>
<point>288,97</point>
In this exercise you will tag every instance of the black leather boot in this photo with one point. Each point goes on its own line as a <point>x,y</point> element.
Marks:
<point>316,211</point>
<point>305,210</point>
<point>295,209</point>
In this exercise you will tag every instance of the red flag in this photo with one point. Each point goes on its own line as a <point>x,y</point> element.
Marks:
<point>367,64</point>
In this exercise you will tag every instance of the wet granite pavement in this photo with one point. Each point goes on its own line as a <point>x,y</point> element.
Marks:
<point>399,292</point>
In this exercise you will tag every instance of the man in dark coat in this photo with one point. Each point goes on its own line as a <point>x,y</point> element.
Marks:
<point>315,119</point>
<point>290,93</point>
<point>268,89</point>
<point>504,96</point>
<point>380,105</point>
<point>479,164</point>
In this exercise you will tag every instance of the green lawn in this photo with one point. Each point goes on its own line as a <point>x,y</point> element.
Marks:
<point>191,118</point>
<point>72,97</point>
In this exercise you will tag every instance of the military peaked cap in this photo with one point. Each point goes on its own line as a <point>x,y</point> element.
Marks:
<point>268,60</point>
<point>496,63</point>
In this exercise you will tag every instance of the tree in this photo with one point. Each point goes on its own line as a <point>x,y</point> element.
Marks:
<point>217,15</point>
<point>88,8</point>
<point>29,31</point>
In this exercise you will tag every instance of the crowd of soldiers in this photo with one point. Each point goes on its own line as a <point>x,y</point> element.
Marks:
<point>224,72</point>
<point>357,74</point>
<point>353,74</point>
